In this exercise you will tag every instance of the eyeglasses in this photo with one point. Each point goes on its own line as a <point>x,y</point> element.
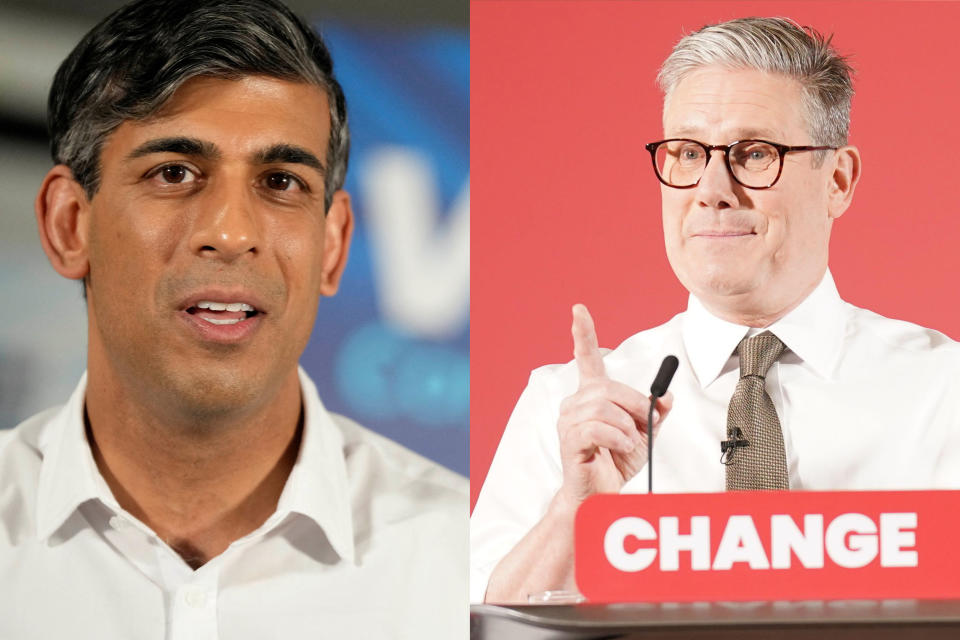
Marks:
<point>755,164</point>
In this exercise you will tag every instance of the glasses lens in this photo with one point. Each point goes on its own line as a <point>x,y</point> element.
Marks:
<point>680,163</point>
<point>755,163</point>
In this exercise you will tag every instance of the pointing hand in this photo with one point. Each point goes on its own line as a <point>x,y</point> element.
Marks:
<point>602,427</point>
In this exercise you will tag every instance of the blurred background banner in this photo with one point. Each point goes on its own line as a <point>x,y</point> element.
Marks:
<point>396,336</point>
<point>391,349</point>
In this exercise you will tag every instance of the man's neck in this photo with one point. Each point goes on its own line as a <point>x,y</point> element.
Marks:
<point>198,489</point>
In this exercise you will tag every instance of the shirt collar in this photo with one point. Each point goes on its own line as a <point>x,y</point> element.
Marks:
<point>68,474</point>
<point>316,488</point>
<point>813,331</point>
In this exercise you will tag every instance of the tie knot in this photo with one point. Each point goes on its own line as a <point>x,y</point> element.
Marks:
<point>758,353</point>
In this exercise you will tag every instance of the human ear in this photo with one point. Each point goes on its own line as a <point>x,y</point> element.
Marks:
<point>843,180</point>
<point>338,228</point>
<point>63,220</point>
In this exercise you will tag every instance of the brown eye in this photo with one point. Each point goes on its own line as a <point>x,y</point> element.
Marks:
<point>280,181</point>
<point>174,173</point>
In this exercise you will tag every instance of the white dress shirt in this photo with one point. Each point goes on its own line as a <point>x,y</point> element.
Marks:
<point>865,402</point>
<point>368,541</point>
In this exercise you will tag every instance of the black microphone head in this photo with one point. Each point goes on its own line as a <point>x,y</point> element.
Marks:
<point>667,368</point>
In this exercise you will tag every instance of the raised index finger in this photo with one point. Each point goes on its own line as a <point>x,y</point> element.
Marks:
<point>585,348</point>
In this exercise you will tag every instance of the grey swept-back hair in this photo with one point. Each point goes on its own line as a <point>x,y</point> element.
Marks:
<point>773,45</point>
<point>130,64</point>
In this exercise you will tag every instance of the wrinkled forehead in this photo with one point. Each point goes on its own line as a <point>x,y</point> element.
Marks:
<point>733,104</point>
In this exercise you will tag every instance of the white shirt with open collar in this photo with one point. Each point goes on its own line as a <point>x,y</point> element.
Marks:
<point>368,540</point>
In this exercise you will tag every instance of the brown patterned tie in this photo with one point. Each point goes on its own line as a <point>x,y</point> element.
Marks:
<point>763,463</point>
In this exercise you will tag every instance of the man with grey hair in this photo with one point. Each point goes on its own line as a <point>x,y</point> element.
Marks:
<point>780,382</point>
<point>194,485</point>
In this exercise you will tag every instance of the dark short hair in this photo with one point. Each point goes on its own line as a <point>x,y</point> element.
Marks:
<point>132,62</point>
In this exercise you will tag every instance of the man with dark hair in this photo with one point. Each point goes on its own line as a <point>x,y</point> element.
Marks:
<point>194,485</point>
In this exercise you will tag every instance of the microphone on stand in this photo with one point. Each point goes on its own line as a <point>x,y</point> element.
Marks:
<point>659,387</point>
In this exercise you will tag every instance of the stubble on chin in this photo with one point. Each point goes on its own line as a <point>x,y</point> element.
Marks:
<point>203,398</point>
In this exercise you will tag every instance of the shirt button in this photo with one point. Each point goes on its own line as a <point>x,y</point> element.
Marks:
<point>118,523</point>
<point>195,598</point>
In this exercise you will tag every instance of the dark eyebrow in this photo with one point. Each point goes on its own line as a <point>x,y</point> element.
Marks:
<point>291,154</point>
<point>178,144</point>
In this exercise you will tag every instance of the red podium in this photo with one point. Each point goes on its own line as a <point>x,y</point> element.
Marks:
<point>739,546</point>
<point>879,564</point>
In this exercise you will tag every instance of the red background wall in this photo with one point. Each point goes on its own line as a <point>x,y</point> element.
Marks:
<point>565,206</point>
